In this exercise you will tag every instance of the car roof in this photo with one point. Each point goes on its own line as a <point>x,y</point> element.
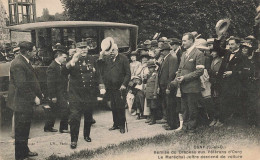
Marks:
<point>67,24</point>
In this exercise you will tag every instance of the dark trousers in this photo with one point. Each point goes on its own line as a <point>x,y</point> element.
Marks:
<point>152,104</point>
<point>76,110</point>
<point>61,109</point>
<point>139,102</point>
<point>189,104</point>
<point>171,110</point>
<point>163,98</point>
<point>22,130</point>
<point>230,104</point>
<point>117,106</point>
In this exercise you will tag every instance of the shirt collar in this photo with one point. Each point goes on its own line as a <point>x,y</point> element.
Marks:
<point>57,62</point>
<point>236,51</point>
<point>28,61</point>
<point>190,49</point>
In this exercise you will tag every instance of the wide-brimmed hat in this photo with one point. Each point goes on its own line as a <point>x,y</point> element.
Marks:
<point>201,43</point>
<point>162,39</point>
<point>222,26</point>
<point>147,42</point>
<point>250,37</point>
<point>246,44</point>
<point>165,46</point>
<point>134,53</point>
<point>107,44</point>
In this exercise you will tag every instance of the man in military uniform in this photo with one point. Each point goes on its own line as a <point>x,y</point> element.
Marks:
<point>83,91</point>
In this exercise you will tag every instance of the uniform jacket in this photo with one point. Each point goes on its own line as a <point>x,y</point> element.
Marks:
<point>83,80</point>
<point>151,86</point>
<point>24,86</point>
<point>114,74</point>
<point>167,71</point>
<point>56,81</point>
<point>191,68</point>
<point>232,84</point>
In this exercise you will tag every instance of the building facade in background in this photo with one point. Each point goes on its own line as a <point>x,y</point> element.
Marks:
<point>4,33</point>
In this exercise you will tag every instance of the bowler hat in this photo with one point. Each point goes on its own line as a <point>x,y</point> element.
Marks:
<point>175,41</point>
<point>154,43</point>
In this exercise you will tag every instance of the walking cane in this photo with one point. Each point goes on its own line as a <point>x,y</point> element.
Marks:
<point>121,96</point>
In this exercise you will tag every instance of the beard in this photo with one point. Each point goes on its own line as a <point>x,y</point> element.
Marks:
<point>108,58</point>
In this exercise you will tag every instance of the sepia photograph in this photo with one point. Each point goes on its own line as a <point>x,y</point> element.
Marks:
<point>129,79</point>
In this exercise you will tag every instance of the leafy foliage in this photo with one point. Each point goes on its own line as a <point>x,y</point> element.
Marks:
<point>170,17</point>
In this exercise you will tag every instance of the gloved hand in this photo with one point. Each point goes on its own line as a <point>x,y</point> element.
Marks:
<point>102,91</point>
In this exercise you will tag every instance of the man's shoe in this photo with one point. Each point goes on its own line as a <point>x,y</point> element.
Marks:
<point>165,125</point>
<point>73,145</point>
<point>50,130</point>
<point>32,154</point>
<point>162,121</point>
<point>64,131</point>
<point>88,139</point>
<point>122,130</point>
<point>151,123</point>
<point>148,120</point>
<point>213,123</point>
<point>218,124</point>
<point>168,128</point>
<point>93,121</point>
<point>113,128</point>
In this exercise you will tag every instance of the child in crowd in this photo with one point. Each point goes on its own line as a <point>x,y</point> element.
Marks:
<point>151,90</point>
<point>136,89</point>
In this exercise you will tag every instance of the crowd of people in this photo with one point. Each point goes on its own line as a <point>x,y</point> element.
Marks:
<point>180,83</point>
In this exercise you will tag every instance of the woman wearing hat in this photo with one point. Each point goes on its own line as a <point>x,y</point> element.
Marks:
<point>134,64</point>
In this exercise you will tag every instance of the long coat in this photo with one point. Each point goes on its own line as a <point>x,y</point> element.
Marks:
<point>114,74</point>
<point>191,68</point>
<point>56,81</point>
<point>167,71</point>
<point>230,85</point>
<point>24,86</point>
<point>151,86</point>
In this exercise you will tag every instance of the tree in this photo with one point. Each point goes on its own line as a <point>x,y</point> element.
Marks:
<point>170,17</point>
<point>47,17</point>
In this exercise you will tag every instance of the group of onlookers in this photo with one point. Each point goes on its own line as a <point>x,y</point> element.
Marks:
<point>183,82</point>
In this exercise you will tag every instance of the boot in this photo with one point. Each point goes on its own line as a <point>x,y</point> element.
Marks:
<point>181,122</point>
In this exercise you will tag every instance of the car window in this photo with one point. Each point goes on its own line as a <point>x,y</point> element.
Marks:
<point>120,36</point>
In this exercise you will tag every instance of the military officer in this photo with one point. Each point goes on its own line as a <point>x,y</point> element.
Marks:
<point>83,91</point>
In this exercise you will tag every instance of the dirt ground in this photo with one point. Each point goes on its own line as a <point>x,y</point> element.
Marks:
<point>46,144</point>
